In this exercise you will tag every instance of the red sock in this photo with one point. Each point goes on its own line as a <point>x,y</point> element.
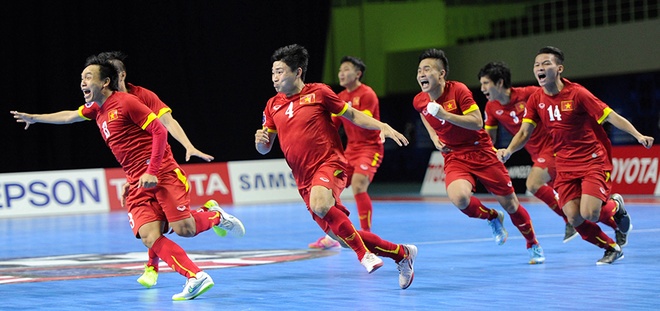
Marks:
<point>607,212</point>
<point>175,257</point>
<point>592,233</point>
<point>477,210</point>
<point>343,228</point>
<point>153,259</point>
<point>205,220</point>
<point>523,222</point>
<point>364,208</point>
<point>381,247</point>
<point>547,195</point>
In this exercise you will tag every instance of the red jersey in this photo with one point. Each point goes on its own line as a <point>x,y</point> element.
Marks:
<point>149,98</point>
<point>307,135</point>
<point>364,99</point>
<point>456,98</point>
<point>510,117</point>
<point>122,120</point>
<point>573,118</point>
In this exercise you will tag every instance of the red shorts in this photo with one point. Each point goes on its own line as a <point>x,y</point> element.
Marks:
<point>329,177</point>
<point>478,164</point>
<point>546,160</point>
<point>365,162</point>
<point>169,201</point>
<point>572,185</point>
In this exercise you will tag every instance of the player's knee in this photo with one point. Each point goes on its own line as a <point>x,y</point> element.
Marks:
<point>148,239</point>
<point>532,187</point>
<point>460,201</point>
<point>319,209</point>
<point>591,215</point>
<point>185,228</point>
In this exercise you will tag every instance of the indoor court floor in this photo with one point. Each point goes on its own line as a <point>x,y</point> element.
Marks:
<point>85,262</point>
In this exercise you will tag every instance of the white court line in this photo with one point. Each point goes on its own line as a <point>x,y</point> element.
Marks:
<point>514,238</point>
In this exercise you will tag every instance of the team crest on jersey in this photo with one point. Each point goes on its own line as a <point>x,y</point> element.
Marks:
<point>308,99</point>
<point>566,105</point>
<point>355,102</point>
<point>450,105</point>
<point>520,106</point>
<point>113,115</point>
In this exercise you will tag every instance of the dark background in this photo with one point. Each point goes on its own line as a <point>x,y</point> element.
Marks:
<point>208,60</point>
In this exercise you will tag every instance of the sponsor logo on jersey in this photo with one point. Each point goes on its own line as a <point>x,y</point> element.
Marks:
<point>541,105</point>
<point>324,179</point>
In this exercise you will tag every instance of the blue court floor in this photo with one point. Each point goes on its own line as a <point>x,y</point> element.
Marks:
<point>87,262</point>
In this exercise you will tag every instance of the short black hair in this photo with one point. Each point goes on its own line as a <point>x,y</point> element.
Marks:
<point>117,58</point>
<point>497,71</point>
<point>106,70</point>
<point>559,55</point>
<point>294,55</point>
<point>358,63</point>
<point>436,54</point>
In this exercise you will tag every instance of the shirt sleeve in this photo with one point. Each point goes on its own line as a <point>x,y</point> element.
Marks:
<point>489,121</point>
<point>596,108</point>
<point>332,102</point>
<point>266,118</point>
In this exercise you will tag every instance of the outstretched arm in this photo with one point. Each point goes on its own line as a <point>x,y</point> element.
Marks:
<point>517,142</point>
<point>364,121</point>
<point>623,124</point>
<point>175,129</point>
<point>60,117</point>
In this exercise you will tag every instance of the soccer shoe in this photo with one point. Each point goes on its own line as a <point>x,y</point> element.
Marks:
<point>497,225</point>
<point>610,256</point>
<point>536,255</point>
<point>621,238</point>
<point>149,277</point>
<point>195,287</point>
<point>569,233</point>
<point>621,216</point>
<point>324,242</point>
<point>371,262</point>
<point>622,220</point>
<point>405,266</point>
<point>227,223</point>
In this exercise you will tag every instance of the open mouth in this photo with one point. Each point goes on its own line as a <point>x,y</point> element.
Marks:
<point>424,83</point>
